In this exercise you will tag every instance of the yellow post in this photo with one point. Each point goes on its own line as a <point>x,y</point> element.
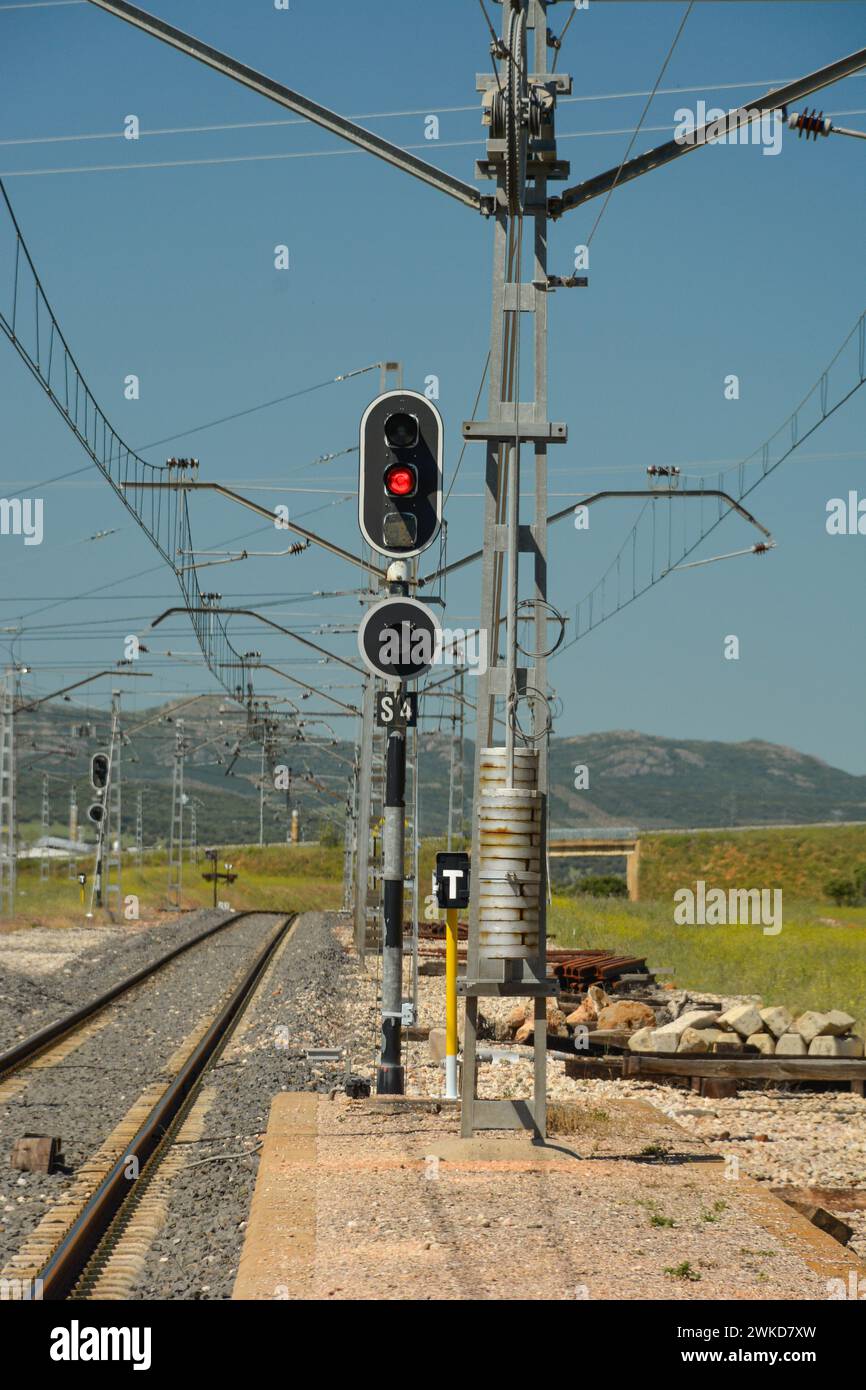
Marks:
<point>451,1003</point>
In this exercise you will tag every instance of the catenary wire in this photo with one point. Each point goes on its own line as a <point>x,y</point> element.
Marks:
<point>637,129</point>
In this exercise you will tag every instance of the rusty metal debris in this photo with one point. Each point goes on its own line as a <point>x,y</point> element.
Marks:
<point>578,969</point>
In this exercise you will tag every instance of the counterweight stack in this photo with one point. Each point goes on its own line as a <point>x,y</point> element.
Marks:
<point>509,865</point>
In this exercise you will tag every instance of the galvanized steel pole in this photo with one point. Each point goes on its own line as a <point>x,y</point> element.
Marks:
<point>390,1077</point>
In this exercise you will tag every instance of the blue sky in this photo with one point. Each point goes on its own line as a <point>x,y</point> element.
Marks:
<point>726,262</point>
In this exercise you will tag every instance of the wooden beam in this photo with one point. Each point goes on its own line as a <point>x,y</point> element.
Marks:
<point>638,1064</point>
<point>770,1068</point>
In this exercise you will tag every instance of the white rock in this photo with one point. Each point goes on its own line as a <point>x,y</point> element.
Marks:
<point>809,1025</point>
<point>662,1042</point>
<point>714,1035</point>
<point>763,1042</point>
<point>791,1045</point>
<point>836,1047</point>
<point>697,1018</point>
<point>694,1040</point>
<point>838,1023</point>
<point>778,1020</point>
<point>640,1040</point>
<point>744,1019</point>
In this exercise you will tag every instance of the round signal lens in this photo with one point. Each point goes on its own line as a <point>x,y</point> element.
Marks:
<point>399,480</point>
<point>401,430</point>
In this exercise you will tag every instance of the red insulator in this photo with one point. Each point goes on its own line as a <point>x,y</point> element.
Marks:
<point>812,123</point>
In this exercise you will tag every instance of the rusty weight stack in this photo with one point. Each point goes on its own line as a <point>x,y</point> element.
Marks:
<point>509,871</point>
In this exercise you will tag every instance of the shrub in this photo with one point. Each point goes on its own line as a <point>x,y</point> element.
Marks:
<point>329,834</point>
<point>847,891</point>
<point>601,886</point>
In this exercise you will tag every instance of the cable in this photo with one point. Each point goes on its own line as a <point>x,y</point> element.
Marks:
<point>494,37</point>
<point>436,107</point>
<point>252,409</point>
<point>472,417</point>
<point>791,436</point>
<point>221,159</point>
<point>46,482</point>
<point>560,41</point>
<point>646,108</point>
<point>164,518</point>
<point>324,154</point>
<point>90,593</point>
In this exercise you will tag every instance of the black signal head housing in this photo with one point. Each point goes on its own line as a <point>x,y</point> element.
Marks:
<point>400,475</point>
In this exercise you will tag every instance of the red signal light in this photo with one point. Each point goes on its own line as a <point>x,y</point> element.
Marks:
<point>400,480</point>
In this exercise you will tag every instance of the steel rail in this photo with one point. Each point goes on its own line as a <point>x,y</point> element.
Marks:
<point>62,1271</point>
<point>24,1052</point>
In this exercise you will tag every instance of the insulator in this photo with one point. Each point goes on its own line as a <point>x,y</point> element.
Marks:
<point>812,123</point>
<point>299,547</point>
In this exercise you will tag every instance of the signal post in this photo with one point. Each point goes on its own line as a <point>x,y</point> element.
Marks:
<point>100,770</point>
<point>399,515</point>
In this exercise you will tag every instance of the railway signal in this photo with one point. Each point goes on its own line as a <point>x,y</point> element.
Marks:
<point>99,765</point>
<point>399,638</point>
<point>399,514</point>
<point>400,474</point>
<point>96,812</point>
<point>214,876</point>
<point>519,107</point>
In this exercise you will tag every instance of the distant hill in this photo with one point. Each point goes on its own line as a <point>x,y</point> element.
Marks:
<point>642,779</point>
<point>634,778</point>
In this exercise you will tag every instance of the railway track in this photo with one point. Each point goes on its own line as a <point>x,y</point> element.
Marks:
<point>25,1052</point>
<point>64,1256</point>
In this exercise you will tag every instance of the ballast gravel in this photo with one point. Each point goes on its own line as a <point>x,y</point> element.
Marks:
<point>46,972</point>
<point>305,1001</point>
<point>316,995</point>
<point>84,1096</point>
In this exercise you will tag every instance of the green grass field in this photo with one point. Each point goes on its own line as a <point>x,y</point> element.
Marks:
<point>799,861</point>
<point>811,964</point>
<point>299,877</point>
<point>817,961</point>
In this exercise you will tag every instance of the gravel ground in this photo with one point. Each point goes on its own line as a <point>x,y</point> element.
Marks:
<point>781,1137</point>
<point>615,1226</point>
<point>46,972</point>
<point>87,1093</point>
<point>400,1223</point>
<point>314,995</point>
<point>304,1001</point>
